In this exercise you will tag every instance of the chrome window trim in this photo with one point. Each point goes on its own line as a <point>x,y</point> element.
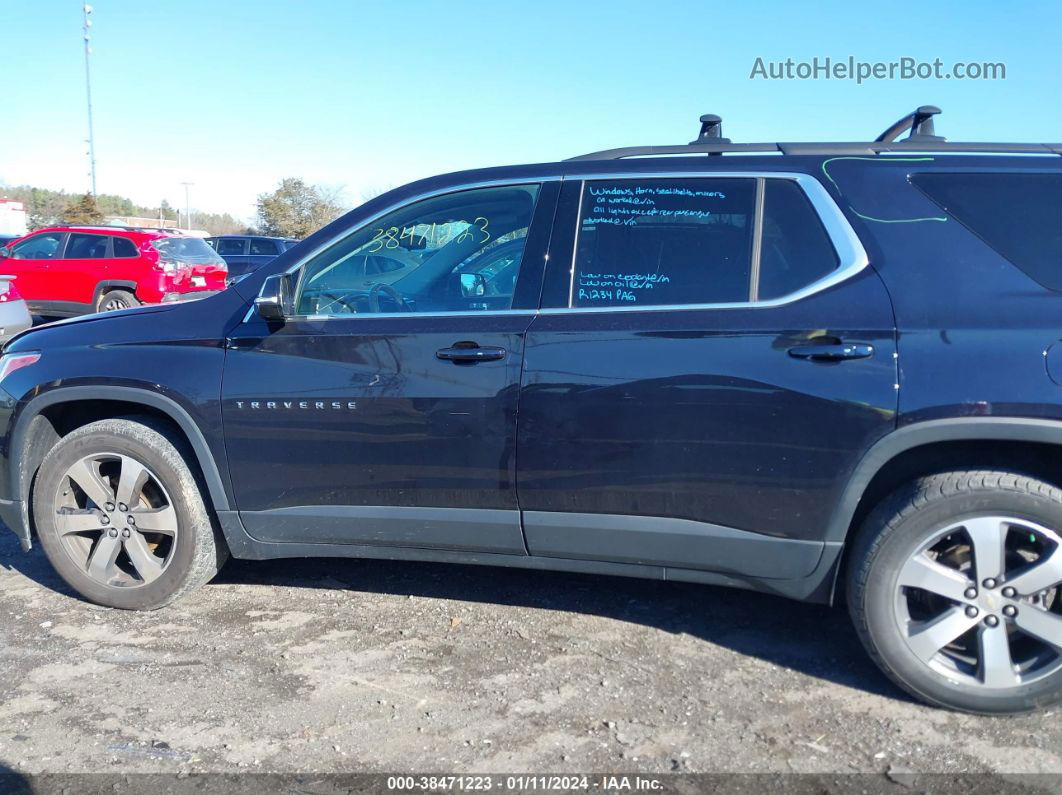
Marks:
<point>370,315</point>
<point>852,257</point>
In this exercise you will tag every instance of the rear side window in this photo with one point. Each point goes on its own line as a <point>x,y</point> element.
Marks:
<point>1016,214</point>
<point>263,248</point>
<point>86,247</point>
<point>187,250</point>
<point>124,248</point>
<point>228,247</point>
<point>796,251</point>
<point>655,242</point>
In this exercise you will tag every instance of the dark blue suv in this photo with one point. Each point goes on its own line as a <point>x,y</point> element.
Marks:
<point>835,372</point>
<point>245,254</point>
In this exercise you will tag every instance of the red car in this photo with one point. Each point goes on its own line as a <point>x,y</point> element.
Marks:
<point>66,271</point>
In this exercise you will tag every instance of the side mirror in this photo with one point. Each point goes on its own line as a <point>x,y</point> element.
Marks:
<point>5,252</point>
<point>473,285</point>
<point>274,299</point>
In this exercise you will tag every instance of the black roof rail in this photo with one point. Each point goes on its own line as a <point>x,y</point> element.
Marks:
<point>922,138</point>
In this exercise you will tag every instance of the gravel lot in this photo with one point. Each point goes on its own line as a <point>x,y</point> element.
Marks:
<point>330,666</point>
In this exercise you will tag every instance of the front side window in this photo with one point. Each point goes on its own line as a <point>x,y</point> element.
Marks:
<point>86,247</point>
<point>459,252</point>
<point>653,242</point>
<point>228,247</point>
<point>38,247</point>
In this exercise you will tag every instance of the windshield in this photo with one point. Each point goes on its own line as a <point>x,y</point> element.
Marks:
<point>187,249</point>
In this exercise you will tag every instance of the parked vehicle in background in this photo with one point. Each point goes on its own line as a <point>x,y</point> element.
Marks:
<point>14,314</point>
<point>246,253</point>
<point>67,271</point>
<point>833,370</point>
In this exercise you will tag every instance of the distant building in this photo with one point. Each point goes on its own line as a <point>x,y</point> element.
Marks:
<point>152,223</point>
<point>12,217</point>
<point>146,223</point>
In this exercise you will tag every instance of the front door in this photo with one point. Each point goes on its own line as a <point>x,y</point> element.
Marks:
<point>712,368</point>
<point>32,262</point>
<point>384,411</point>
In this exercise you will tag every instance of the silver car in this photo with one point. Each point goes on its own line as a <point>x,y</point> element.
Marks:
<point>14,316</point>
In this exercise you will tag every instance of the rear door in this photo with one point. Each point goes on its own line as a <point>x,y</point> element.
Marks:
<point>712,360</point>
<point>83,265</point>
<point>383,412</point>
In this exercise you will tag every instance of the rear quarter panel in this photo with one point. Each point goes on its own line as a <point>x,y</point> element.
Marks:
<point>973,328</point>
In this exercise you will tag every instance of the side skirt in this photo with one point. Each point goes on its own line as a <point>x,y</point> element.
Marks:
<point>814,587</point>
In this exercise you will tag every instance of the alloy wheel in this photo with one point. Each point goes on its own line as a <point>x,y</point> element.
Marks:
<point>115,520</point>
<point>979,602</point>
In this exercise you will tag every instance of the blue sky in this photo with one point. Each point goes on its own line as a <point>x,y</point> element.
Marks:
<point>233,95</point>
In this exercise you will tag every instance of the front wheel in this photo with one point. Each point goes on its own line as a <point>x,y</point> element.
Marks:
<point>953,586</point>
<point>120,515</point>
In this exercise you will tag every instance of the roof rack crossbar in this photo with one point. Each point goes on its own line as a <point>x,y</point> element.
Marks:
<point>711,131</point>
<point>919,122</point>
<point>922,138</point>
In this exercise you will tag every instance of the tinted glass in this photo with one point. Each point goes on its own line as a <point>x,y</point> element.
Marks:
<point>1016,214</point>
<point>38,247</point>
<point>455,253</point>
<point>124,248</point>
<point>86,247</point>
<point>188,250</point>
<point>264,247</point>
<point>664,241</point>
<point>228,246</point>
<point>796,250</point>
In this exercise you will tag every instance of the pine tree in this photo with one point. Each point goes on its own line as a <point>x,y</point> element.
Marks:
<point>82,212</point>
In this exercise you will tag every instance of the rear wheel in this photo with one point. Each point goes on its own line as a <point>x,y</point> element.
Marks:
<point>116,299</point>
<point>121,518</point>
<point>954,589</point>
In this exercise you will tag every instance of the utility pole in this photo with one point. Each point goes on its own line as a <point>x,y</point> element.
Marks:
<point>187,211</point>
<point>86,10</point>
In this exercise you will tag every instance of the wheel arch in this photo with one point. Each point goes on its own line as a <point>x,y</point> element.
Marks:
<point>1028,444</point>
<point>36,433</point>
<point>111,284</point>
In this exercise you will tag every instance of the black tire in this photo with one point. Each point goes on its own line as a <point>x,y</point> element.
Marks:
<point>898,529</point>
<point>116,299</point>
<point>195,553</point>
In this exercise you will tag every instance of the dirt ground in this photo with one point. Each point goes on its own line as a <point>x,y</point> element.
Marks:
<point>331,666</point>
